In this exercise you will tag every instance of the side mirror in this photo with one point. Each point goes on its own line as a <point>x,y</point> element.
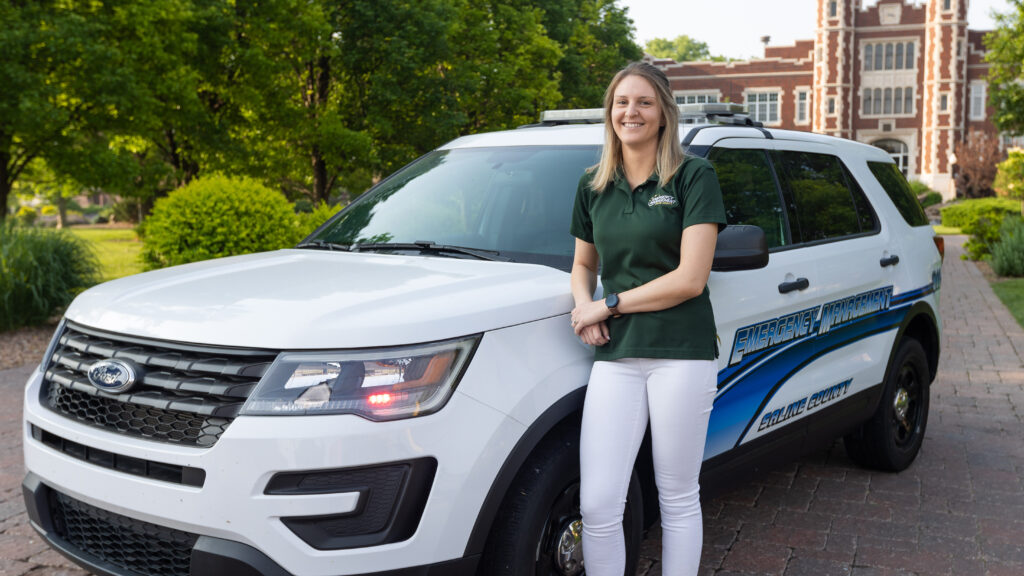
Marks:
<point>740,247</point>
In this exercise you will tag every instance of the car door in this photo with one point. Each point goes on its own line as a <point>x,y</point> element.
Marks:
<point>853,260</point>
<point>764,317</point>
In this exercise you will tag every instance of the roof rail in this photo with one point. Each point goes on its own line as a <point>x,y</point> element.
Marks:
<point>709,113</point>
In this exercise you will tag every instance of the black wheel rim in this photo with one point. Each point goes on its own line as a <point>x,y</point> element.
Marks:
<point>907,407</point>
<point>564,511</point>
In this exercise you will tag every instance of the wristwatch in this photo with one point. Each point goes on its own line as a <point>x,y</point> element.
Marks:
<point>612,302</point>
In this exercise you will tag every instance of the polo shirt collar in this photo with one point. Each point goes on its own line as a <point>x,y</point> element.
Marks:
<point>622,184</point>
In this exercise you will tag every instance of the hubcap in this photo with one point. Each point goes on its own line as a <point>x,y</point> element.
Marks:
<point>901,404</point>
<point>569,557</point>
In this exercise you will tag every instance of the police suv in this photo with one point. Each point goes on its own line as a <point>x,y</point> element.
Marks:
<point>400,394</point>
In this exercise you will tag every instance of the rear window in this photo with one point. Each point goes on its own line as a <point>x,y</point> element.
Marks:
<point>826,204</point>
<point>895,185</point>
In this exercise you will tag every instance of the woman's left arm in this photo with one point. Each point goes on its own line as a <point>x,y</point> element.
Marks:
<point>696,252</point>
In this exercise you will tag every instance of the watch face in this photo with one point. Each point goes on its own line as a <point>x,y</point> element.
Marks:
<point>612,300</point>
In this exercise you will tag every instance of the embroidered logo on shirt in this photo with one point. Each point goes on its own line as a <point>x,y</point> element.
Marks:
<point>663,200</point>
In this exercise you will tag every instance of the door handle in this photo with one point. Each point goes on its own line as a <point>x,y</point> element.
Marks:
<point>889,261</point>
<point>798,284</point>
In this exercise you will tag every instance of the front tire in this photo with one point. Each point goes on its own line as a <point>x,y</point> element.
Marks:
<point>891,439</point>
<point>538,529</point>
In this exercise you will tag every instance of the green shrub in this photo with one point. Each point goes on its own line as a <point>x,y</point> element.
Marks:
<point>980,218</point>
<point>1008,253</point>
<point>41,271</point>
<point>931,199</point>
<point>26,216</point>
<point>309,221</point>
<point>214,217</point>
<point>918,187</point>
<point>964,213</point>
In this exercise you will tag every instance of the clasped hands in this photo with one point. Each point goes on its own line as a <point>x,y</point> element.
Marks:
<point>588,321</point>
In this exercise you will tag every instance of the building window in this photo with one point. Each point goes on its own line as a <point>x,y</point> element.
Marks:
<point>943,102</point>
<point>959,48</point>
<point>833,9</point>
<point>696,98</point>
<point>887,101</point>
<point>889,56</point>
<point>802,98</point>
<point>977,101</point>
<point>947,5</point>
<point>831,105</point>
<point>763,106</point>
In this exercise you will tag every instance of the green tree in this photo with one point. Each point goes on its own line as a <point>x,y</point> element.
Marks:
<point>1009,179</point>
<point>110,94</point>
<point>1006,75</point>
<point>596,38</point>
<point>503,68</point>
<point>63,93</point>
<point>339,93</point>
<point>682,49</point>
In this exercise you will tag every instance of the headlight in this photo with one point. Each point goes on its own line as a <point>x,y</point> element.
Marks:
<point>381,384</point>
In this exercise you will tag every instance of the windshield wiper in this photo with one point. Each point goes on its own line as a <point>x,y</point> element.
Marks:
<point>324,245</point>
<point>428,246</point>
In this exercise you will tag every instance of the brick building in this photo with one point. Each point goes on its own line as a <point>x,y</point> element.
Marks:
<point>908,77</point>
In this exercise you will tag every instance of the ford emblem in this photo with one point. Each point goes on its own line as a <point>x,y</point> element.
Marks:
<point>115,376</point>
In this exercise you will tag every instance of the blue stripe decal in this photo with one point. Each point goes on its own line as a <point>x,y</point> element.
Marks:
<point>746,388</point>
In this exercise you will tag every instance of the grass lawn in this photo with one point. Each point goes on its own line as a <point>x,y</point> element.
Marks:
<point>116,248</point>
<point>940,229</point>
<point>1011,292</point>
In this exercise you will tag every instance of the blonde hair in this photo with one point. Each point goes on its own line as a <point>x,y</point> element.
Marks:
<point>670,153</point>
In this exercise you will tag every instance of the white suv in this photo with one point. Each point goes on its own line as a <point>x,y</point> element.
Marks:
<point>400,394</point>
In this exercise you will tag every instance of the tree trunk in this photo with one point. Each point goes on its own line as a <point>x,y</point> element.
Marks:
<point>320,191</point>
<point>5,181</point>
<point>321,77</point>
<point>62,210</point>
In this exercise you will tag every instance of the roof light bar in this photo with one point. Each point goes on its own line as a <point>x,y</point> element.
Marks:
<point>712,108</point>
<point>593,115</point>
<point>596,115</point>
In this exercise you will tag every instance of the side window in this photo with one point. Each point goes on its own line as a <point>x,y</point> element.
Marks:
<point>749,192</point>
<point>824,201</point>
<point>895,185</point>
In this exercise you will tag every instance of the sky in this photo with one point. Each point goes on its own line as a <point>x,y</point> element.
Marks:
<point>736,32</point>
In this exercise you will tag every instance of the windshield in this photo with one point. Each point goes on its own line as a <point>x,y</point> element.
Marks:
<point>516,201</point>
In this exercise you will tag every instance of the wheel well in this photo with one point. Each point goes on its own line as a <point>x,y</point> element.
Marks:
<point>922,328</point>
<point>564,414</point>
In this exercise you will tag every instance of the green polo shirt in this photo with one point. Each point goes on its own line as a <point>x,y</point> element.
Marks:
<point>637,235</point>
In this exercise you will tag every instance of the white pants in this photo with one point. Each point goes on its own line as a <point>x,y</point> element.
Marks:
<point>676,395</point>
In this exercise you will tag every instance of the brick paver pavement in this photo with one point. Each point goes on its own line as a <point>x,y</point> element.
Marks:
<point>959,509</point>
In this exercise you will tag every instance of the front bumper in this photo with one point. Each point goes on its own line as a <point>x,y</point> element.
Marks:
<point>239,527</point>
<point>208,556</point>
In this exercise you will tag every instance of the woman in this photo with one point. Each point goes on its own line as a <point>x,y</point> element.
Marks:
<point>652,218</point>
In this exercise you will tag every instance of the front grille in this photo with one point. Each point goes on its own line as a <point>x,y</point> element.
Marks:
<point>184,395</point>
<point>139,547</point>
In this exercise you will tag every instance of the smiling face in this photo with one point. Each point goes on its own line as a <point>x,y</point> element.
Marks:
<point>635,113</point>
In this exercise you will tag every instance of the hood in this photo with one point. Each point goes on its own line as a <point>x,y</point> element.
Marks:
<point>305,299</point>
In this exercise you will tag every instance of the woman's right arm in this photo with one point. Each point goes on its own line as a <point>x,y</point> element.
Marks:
<point>583,282</point>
